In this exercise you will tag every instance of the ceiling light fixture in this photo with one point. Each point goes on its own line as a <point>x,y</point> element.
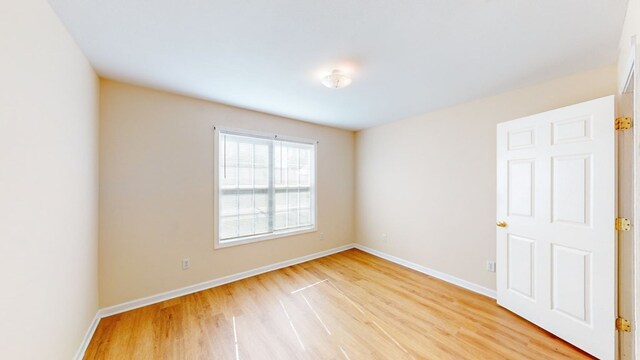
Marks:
<point>336,80</point>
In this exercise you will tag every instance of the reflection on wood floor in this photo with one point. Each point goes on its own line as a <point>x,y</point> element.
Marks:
<point>350,305</point>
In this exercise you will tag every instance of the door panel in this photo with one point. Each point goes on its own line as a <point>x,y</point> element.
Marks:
<point>521,272</point>
<point>556,192</point>
<point>571,190</point>
<point>572,130</point>
<point>571,282</point>
<point>521,181</point>
<point>521,139</point>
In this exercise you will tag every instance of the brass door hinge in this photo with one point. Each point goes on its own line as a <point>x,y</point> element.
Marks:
<point>623,325</point>
<point>623,224</point>
<point>623,123</point>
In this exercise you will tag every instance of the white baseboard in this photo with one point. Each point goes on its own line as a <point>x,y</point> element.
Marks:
<point>87,336</point>
<point>425,270</point>
<point>120,308</point>
<point>116,309</point>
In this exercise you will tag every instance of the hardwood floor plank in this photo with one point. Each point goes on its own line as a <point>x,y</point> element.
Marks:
<point>351,305</point>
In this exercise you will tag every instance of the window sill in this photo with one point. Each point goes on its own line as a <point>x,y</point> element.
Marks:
<point>249,240</point>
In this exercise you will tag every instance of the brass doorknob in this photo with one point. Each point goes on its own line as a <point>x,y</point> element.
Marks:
<point>501,224</point>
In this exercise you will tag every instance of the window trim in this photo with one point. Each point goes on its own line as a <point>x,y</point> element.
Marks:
<point>218,244</point>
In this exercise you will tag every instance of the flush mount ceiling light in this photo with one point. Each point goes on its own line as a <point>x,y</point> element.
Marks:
<point>336,80</point>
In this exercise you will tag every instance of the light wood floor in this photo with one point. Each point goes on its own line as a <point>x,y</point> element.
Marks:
<point>350,305</point>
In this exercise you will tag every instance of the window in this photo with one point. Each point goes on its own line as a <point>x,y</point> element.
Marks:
<point>266,187</point>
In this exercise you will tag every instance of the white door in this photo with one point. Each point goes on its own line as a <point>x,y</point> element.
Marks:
<point>556,251</point>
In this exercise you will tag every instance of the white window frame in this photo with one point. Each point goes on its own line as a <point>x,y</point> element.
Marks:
<point>218,243</point>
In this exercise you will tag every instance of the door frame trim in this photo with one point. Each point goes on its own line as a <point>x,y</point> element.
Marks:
<point>636,191</point>
<point>627,78</point>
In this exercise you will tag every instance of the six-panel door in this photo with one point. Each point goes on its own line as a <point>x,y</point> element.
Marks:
<point>556,263</point>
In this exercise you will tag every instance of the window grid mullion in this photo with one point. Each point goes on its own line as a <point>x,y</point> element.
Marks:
<point>237,189</point>
<point>253,186</point>
<point>286,226</point>
<point>271,200</point>
<point>298,169</point>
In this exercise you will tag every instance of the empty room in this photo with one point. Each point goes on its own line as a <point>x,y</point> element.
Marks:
<point>251,179</point>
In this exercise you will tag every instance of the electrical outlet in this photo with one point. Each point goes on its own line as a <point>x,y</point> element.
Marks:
<point>384,238</point>
<point>186,263</point>
<point>491,266</point>
<point>321,236</point>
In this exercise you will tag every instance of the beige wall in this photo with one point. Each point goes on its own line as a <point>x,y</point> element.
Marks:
<point>48,186</point>
<point>156,192</point>
<point>428,182</point>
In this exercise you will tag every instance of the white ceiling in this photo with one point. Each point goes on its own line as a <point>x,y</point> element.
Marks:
<point>406,57</point>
